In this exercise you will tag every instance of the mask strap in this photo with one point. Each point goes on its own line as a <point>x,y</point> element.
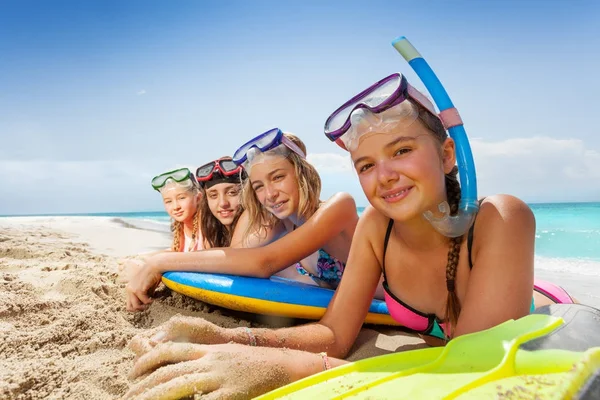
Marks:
<point>292,146</point>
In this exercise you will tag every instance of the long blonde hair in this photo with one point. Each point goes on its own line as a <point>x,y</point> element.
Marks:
<point>309,189</point>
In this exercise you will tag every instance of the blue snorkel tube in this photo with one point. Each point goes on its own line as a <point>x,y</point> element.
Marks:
<point>448,225</point>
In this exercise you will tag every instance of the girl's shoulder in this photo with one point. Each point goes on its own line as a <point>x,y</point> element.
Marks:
<point>501,215</point>
<point>340,198</point>
<point>340,203</point>
<point>502,208</point>
<point>372,224</point>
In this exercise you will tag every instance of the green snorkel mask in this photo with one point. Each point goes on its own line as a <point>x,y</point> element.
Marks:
<point>182,177</point>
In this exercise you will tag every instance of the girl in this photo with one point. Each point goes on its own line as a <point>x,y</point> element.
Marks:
<point>439,286</point>
<point>281,199</point>
<point>221,204</point>
<point>181,197</point>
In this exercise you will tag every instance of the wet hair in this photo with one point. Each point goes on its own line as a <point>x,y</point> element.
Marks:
<point>215,233</point>
<point>434,124</point>
<point>309,189</point>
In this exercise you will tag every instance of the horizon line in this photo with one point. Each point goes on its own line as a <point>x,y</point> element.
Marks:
<point>108,213</point>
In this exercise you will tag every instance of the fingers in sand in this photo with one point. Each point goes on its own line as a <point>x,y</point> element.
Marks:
<point>177,388</point>
<point>166,353</point>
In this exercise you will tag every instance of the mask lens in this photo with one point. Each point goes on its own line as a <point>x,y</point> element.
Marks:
<point>205,170</point>
<point>228,165</point>
<point>371,99</point>
<point>180,174</point>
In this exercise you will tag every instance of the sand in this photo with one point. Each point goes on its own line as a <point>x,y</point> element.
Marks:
<point>63,326</point>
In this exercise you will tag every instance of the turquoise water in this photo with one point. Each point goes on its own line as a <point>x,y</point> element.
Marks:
<point>567,234</point>
<point>570,230</point>
<point>566,230</point>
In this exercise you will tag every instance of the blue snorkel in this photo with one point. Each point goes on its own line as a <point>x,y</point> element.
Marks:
<point>448,225</point>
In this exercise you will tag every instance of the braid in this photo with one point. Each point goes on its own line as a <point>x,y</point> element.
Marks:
<point>195,228</point>
<point>177,229</point>
<point>452,302</point>
<point>434,124</point>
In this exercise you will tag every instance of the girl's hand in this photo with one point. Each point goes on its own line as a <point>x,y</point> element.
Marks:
<point>225,371</point>
<point>179,329</point>
<point>127,266</point>
<point>141,281</point>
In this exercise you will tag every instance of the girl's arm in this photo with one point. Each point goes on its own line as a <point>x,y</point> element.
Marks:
<point>142,256</point>
<point>327,222</point>
<point>500,284</point>
<point>334,334</point>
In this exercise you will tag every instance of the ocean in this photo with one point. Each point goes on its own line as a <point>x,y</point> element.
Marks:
<point>567,234</point>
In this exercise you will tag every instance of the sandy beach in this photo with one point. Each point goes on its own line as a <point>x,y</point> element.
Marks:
<point>63,326</point>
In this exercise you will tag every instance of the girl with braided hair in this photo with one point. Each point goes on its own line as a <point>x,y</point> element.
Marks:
<point>181,196</point>
<point>440,287</point>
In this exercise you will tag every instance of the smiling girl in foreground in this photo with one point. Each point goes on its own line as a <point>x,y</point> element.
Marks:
<point>439,286</point>
<point>283,213</point>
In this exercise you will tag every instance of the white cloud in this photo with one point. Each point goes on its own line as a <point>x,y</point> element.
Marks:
<point>538,168</point>
<point>330,162</point>
<point>337,175</point>
<point>141,92</point>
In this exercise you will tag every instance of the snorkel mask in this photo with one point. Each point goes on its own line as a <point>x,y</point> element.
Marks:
<point>179,178</point>
<point>382,108</point>
<point>223,170</point>
<point>268,144</point>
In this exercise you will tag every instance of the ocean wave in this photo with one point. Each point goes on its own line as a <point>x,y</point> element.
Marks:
<point>577,243</point>
<point>144,224</point>
<point>570,265</point>
<point>570,230</point>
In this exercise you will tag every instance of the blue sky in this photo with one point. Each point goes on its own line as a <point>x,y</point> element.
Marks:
<point>97,97</point>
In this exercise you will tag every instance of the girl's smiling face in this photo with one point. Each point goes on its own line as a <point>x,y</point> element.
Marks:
<point>180,203</point>
<point>403,174</point>
<point>276,187</point>
<point>224,201</point>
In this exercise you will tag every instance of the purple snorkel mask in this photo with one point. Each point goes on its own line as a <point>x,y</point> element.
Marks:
<point>378,109</point>
<point>382,108</point>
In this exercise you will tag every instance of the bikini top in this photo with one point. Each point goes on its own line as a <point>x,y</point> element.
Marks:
<point>426,324</point>
<point>329,269</point>
<point>430,324</point>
